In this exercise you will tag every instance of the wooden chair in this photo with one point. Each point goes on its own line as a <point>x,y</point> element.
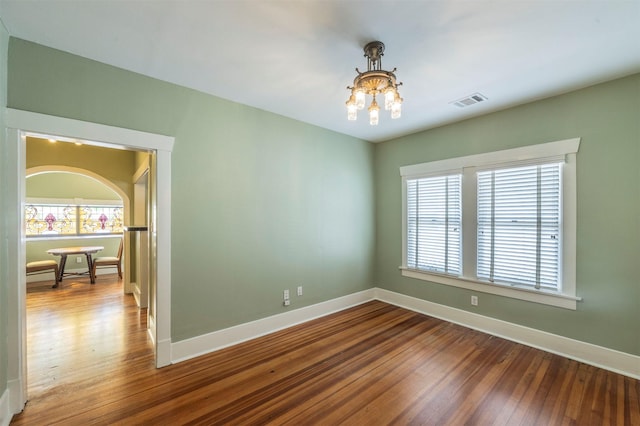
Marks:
<point>110,261</point>
<point>44,266</point>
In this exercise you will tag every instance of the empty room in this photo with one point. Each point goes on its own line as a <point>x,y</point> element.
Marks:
<point>328,212</point>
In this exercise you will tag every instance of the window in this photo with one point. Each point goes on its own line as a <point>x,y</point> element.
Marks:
<point>100,219</point>
<point>519,226</point>
<point>434,215</point>
<point>501,223</point>
<point>49,219</point>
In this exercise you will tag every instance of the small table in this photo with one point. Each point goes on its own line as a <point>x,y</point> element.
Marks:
<point>63,252</point>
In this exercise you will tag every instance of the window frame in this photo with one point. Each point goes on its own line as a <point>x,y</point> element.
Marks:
<point>564,151</point>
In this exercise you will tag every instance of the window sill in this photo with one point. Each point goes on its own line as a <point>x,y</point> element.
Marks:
<point>546,298</point>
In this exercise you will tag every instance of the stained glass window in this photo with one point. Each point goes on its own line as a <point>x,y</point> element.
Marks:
<point>66,220</point>
<point>100,219</point>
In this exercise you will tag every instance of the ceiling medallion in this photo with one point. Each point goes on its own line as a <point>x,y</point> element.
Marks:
<point>372,82</point>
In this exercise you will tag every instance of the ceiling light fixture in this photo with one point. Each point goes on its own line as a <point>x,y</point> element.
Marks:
<point>372,82</point>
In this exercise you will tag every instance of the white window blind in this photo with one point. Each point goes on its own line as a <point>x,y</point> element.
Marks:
<point>519,212</point>
<point>434,215</point>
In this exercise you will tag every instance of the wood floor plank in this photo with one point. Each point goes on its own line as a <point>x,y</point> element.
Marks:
<point>90,361</point>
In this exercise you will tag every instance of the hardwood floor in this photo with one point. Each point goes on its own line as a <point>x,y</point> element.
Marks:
<point>90,362</point>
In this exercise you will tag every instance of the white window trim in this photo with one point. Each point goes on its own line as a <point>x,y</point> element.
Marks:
<point>534,154</point>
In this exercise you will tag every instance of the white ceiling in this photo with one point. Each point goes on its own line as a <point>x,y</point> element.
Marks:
<point>296,57</point>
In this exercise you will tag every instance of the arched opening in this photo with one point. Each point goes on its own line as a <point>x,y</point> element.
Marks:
<point>56,183</point>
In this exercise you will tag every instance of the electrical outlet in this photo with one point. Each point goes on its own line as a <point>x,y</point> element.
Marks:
<point>299,290</point>
<point>474,300</point>
<point>286,302</point>
<point>78,259</point>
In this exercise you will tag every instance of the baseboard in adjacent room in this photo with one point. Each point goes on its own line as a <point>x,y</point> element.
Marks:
<point>49,275</point>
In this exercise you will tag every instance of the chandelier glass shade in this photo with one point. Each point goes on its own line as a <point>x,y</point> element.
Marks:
<point>373,82</point>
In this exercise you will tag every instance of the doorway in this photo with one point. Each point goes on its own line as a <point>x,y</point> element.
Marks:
<point>90,323</point>
<point>19,125</point>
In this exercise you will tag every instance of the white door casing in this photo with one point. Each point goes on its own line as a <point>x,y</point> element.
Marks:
<point>21,123</point>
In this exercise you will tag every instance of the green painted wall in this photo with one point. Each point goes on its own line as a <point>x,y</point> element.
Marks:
<point>607,118</point>
<point>4,281</point>
<point>37,250</point>
<point>261,203</point>
<point>66,186</point>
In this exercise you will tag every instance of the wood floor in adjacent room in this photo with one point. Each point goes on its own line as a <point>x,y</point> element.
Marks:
<point>91,362</point>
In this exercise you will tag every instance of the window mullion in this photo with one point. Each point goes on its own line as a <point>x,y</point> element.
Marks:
<point>538,224</point>
<point>493,227</point>
<point>417,221</point>
<point>446,225</point>
<point>469,222</point>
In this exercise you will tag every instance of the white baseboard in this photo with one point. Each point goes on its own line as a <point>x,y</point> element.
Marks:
<point>598,356</point>
<point>40,278</point>
<point>128,286</point>
<point>48,276</point>
<point>151,328</point>
<point>206,343</point>
<point>163,353</point>
<point>12,401</point>
<point>135,290</point>
<point>5,412</point>
<point>106,271</point>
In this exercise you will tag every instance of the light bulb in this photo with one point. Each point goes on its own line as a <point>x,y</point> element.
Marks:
<point>352,111</point>
<point>389,97</point>
<point>396,107</point>
<point>374,113</point>
<point>373,117</point>
<point>360,95</point>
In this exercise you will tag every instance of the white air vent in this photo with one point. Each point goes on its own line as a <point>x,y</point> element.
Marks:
<point>469,100</point>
